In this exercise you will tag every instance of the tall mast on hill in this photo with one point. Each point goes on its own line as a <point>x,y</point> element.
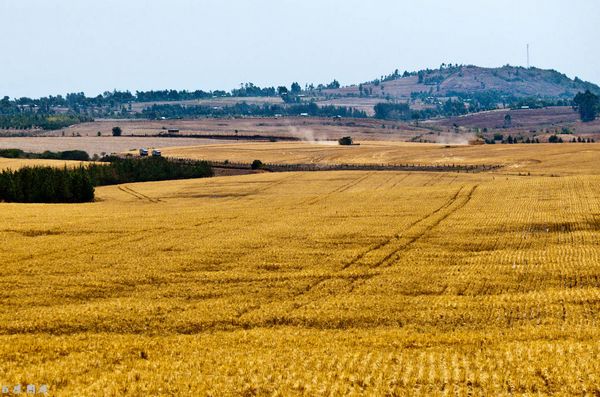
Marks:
<point>527,55</point>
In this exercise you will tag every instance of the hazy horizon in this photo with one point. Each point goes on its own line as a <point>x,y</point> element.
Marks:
<point>66,46</point>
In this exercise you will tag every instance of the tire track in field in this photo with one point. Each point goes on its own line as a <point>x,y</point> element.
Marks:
<point>399,234</point>
<point>355,280</point>
<point>352,280</point>
<point>115,239</point>
<point>430,180</point>
<point>434,181</point>
<point>400,181</point>
<point>358,279</point>
<point>301,298</point>
<point>263,189</point>
<point>452,181</point>
<point>388,259</point>
<point>129,193</point>
<point>339,189</point>
<point>384,183</point>
<point>136,194</point>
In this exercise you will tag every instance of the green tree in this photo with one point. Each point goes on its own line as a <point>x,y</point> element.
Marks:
<point>282,90</point>
<point>256,164</point>
<point>334,84</point>
<point>116,131</point>
<point>587,104</point>
<point>296,89</point>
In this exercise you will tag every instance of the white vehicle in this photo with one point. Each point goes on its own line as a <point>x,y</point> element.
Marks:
<point>143,152</point>
<point>156,153</point>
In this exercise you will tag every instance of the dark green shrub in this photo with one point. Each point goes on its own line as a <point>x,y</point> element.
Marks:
<point>256,164</point>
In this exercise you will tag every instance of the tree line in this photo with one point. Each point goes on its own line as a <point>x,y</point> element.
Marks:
<point>76,184</point>
<point>130,169</point>
<point>245,109</point>
<point>77,155</point>
<point>29,120</point>
<point>46,185</point>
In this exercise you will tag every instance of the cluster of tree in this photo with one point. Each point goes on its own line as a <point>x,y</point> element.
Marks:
<point>393,111</point>
<point>582,140</point>
<point>126,170</point>
<point>78,155</point>
<point>587,104</point>
<point>111,98</point>
<point>26,120</point>
<point>473,102</point>
<point>537,103</point>
<point>402,111</point>
<point>291,95</point>
<point>245,109</point>
<point>555,139</point>
<point>76,185</point>
<point>484,100</point>
<point>511,140</point>
<point>250,89</point>
<point>46,185</point>
<point>519,139</point>
<point>453,108</point>
<point>425,76</point>
<point>165,95</point>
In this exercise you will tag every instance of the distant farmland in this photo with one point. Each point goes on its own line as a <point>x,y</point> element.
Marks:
<point>541,159</point>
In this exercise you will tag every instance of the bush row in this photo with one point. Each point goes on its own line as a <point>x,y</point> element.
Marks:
<point>78,155</point>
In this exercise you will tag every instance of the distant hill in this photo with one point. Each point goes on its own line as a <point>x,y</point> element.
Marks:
<point>471,80</point>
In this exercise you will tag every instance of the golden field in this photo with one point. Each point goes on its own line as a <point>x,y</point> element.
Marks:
<point>322,283</point>
<point>14,164</point>
<point>539,159</point>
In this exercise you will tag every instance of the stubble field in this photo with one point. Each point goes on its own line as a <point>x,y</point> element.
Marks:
<point>324,283</point>
<point>539,159</point>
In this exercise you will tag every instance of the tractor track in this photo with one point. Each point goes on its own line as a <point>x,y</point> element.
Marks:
<point>399,235</point>
<point>136,194</point>
<point>339,189</point>
<point>387,261</point>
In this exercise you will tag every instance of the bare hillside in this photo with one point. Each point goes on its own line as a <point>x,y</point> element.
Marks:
<point>448,81</point>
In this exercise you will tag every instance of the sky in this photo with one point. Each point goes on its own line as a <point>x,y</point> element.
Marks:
<point>50,47</point>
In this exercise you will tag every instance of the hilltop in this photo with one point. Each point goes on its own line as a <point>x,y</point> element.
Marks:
<point>452,80</point>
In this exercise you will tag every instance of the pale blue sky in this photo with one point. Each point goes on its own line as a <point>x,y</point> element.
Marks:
<point>59,46</point>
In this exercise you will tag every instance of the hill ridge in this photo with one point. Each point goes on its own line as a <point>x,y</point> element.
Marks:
<point>468,80</point>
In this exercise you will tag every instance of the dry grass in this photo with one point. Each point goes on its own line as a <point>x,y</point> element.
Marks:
<point>330,283</point>
<point>541,159</point>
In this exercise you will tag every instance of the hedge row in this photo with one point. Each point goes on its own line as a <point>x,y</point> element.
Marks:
<point>76,185</point>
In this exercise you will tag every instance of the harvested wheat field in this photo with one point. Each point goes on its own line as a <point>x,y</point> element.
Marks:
<point>540,159</point>
<point>322,283</point>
